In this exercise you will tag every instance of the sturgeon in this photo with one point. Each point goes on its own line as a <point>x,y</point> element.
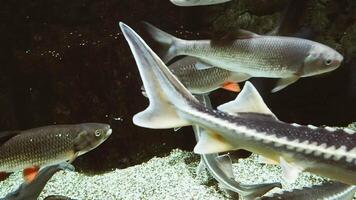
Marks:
<point>327,191</point>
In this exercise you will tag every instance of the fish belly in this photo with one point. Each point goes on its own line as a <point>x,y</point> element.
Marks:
<point>17,163</point>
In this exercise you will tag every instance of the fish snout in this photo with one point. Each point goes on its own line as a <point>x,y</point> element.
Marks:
<point>108,132</point>
<point>338,59</point>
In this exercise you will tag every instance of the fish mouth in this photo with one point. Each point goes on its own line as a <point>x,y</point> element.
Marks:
<point>108,132</point>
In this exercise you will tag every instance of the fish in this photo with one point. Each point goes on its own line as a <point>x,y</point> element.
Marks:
<point>199,78</point>
<point>244,123</point>
<point>197,2</point>
<point>328,191</point>
<point>29,150</point>
<point>220,167</point>
<point>202,79</point>
<point>31,191</point>
<point>286,58</point>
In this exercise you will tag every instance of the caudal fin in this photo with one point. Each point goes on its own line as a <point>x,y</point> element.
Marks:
<point>168,43</point>
<point>163,89</point>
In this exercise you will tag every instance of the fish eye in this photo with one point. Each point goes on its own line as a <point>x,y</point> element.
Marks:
<point>328,62</point>
<point>97,133</point>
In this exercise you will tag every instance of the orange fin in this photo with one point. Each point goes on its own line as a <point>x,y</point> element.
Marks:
<point>29,174</point>
<point>231,86</point>
<point>4,176</point>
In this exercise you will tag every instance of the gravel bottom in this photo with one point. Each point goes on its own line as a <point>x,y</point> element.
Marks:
<point>171,177</point>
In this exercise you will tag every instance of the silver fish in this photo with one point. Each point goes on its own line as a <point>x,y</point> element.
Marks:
<point>199,78</point>
<point>249,125</point>
<point>327,191</point>
<point>287,58</point>
<point>197,2</point>
<point>31,191</point>
<point>49,145</point>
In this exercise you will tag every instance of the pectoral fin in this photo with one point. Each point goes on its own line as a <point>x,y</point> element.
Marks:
<point>201,167</point>
<point>284,82</point>
<point>290,171</point>
<point>201,65</point>
<point>29,174</point>
<point>225,164</point>
<point>210,142</point>
<point>4,176</point>
<point>268,161</point>
<point>231,86</point>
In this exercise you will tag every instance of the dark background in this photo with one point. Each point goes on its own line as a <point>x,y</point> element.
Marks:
<point>67,62</point>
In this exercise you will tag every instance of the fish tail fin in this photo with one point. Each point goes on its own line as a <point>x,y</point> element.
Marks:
<point>165,93</point>
<point>168,43</point>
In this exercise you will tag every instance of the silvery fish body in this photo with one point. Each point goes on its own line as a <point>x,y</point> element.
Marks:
<point>197,2</point>
<point>288,58</point>
<point>249,125</point>
<point>50,145</point>
<point>326,191</point>
<point>31,191</point>
<point>200,78</point>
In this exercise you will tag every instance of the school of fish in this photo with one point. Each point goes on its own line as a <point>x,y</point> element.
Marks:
<point>244,123</point>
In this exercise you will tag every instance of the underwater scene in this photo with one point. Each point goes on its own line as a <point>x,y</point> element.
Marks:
<point>178,99</point>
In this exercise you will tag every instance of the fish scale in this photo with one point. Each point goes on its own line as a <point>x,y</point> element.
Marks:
<point>201,78</point>
<point>261,53</point>
<point>49,145</point>
<point>35,148</point>
<point>195,78</point>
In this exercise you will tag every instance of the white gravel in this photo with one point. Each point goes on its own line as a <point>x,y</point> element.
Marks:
<point>171,177</point>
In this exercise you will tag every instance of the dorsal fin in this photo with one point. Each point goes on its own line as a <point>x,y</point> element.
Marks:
<point>249,100</point>
<point>245,34</point>
<point>7,135</point>
<point>228,38</point>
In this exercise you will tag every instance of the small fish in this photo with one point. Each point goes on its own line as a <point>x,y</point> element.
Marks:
<point>327,191</point>
<point>200,78</point>
<point>197,2</point>
<point>245,123</point>
<point>287,58</point>
<point>31,191</point>
<point>39,147</point>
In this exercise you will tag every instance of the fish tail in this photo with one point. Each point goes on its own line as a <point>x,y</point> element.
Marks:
<point>165,93</point>
<point>168,43</point>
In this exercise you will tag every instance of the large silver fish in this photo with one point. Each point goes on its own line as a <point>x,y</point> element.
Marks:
<point>287,58</point>
<point>197,2</point>
<point>39,147</point>
<point>249,125</point>
<point>31,191</point>
<point>326,191</point>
